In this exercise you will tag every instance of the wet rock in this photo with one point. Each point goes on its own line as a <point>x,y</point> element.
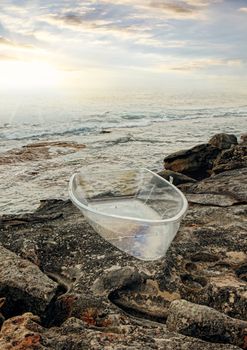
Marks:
<point>233,158</point>
<point>178,178</point>
<point>39,151</point>
<point>195,162</point>
<point>105,131</point>
<point>24,219</point>
<point>65,144</point>
<point>206,323</point>
<point>223,141</point>
<point>25,287</point>
<point>24,154</point>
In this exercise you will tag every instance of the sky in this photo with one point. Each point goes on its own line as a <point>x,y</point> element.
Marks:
<point>111,44</point>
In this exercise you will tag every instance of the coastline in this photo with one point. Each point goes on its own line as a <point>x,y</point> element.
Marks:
<point>90,295</point>
<point>45,174</point>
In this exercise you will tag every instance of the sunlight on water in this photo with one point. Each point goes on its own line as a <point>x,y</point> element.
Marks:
<point>141,128</point>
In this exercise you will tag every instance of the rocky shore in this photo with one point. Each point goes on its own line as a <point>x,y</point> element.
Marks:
<point>63,287</point>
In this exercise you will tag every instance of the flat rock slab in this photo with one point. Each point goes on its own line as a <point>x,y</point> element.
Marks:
<point>23,285</point>
<point>220,200</point>
<point>230,185</point>
<point>39,151</point>
<point>206,323</point>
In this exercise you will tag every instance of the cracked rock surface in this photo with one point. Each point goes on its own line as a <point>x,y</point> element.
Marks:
<point>100,298</point>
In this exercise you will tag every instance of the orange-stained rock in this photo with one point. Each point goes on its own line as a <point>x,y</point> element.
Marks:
<point>21,333</point>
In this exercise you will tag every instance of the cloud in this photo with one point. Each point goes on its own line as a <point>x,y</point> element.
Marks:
<point>176,8</point>
<point>6,57</point>
<point>201,64</point>
<point>174,35</point>
<point>11,43</point>
<point>243,9</point>
<point>168,9</point>
<point>4,41</point>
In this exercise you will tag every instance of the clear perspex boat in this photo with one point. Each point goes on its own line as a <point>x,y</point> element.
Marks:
<point>136,210</point>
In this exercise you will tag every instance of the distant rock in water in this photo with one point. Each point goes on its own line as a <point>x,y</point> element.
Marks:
<point>105,131</point>
<point>197,162</point>
<point>39,151</point>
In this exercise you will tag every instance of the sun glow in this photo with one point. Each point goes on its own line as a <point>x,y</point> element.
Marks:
<point>28,75</point>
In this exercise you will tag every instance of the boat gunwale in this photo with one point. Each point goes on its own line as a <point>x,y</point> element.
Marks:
<point>173,219</point>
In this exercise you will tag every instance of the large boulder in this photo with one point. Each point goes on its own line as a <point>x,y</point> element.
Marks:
<point>24,285</point>
<point>195,162</point>
<point>223,141</point>
<point>229,159</point>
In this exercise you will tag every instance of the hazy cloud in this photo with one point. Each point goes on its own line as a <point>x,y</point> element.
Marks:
<point>8,42</point>
<point>243,9</point>
<point>4,41</point>
<point>188,35</point>
<point>202,64</point>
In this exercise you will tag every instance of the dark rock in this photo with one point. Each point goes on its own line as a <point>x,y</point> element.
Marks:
<point>108,298</point>
<point>25,287</point>
<point>196,162</point>
<point>178,178</point>
<point>243,138</point>
<point>104,131</point>
<point>25,332</point>
<point>137,336</point>
<point>223,141</point>
<point>206,323</point>
<point>233,158</point>
<point>2,318</point>
<point>23,219</point>
<point>117,278</point>
<point>221,200</point>
<point>221,153</point>
<point>229,187</point>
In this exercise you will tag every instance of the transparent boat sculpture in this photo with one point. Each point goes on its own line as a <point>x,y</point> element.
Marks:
<point>135,210</point>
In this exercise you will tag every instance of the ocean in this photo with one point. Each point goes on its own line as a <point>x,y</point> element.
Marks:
<point>115,130</point>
